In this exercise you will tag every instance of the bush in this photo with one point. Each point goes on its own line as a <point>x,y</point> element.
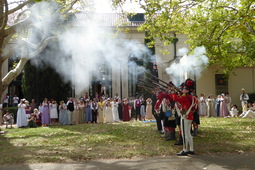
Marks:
<point>251,97</point>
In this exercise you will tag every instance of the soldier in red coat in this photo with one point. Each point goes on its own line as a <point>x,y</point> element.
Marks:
<point>188,104</point>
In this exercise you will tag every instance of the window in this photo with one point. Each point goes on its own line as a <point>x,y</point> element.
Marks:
<point>221,84</point>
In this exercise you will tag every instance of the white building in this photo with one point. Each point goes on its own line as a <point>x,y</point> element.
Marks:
<point>210,82</point>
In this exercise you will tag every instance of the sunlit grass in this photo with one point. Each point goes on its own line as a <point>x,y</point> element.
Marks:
<point>119,140</point>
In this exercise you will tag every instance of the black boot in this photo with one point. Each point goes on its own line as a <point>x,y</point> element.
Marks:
<point>168,136</point>
<point>182,153</point>
<point>180,142</point>
<point>171,136</point>
<point>195,132</point>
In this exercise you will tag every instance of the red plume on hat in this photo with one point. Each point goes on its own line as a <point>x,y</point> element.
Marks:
<point>189,83</point>
<point>170,83</point>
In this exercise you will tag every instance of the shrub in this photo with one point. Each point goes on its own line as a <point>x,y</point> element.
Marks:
<point>251,97</point>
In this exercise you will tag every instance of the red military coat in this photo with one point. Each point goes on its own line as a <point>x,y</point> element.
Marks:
<point>186,101</point>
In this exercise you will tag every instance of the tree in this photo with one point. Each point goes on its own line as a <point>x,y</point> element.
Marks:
<point>17,25</point>
<point>225,27</point>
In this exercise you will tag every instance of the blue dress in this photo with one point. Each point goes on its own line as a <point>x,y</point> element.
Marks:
<point>217,107</point>
<point>63,115</point>
<point>46,114</point>
<point>88,113</point>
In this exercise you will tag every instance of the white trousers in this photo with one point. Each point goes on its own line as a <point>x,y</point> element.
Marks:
<point>249,114</point>
<point>186,135</point>
<point>70,117</point>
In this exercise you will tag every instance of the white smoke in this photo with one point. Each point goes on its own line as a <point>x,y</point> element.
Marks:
<point>84,51</point>
<point>193,63</point>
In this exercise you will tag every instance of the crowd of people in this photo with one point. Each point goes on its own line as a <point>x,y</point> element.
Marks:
<point>170,107</point>
<point>81,110</point>
<point>222,107</point>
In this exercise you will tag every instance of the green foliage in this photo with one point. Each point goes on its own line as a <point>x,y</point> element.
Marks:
<point>225,28</point>
<point>251,97</point>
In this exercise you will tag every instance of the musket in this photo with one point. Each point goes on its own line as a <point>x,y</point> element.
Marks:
<point>146,83</point>
<point>151,84</point>
<point>176,89</point>
<point>150,91</point>
<point>156,77</point>
<point>155,82</point>
<point>146,88</point>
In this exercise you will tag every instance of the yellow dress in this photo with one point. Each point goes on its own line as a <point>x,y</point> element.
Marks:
<point>100,118</point>
<point>149,114</point>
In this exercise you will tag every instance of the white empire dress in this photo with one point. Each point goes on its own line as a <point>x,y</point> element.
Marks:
<point>115,112</point>
<point>53,111</point>
<point>21,116</point>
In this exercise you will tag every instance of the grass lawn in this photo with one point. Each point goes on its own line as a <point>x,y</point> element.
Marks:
<point>119,140</point>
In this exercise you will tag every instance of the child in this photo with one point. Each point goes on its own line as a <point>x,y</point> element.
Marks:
<point>245,107</point>
<point>32,120</point>
<point>234,111</point>
<point>8,118</point>
<point>38,117</point>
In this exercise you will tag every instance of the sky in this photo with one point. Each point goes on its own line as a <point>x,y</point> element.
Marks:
<point>103,6</point>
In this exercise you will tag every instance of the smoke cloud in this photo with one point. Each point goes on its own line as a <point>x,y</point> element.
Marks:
<point>84,52</point>
<point>193,63</point>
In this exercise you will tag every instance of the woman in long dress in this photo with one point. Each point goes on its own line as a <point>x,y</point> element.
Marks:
<point>108,112</point>
<point>125,106</point>
<point>63,115</point>
<point>120,108</point>
<point>202,105</point>
<point>45,113</point>
<point>223,107</point>
<point>217,105</point>
<point>21,114</point>
<point>115,111</point>
<point>149,114</point>
<point>210,106</point>
<point>53,112</point>
<point>76,111</point>
<point>27,109</point>
<point>101,104</point>
<point>142,109</point>
<point>81,111</point>
<point>88,114</point>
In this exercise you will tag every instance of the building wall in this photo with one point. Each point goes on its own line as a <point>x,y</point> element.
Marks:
<point>243,78</point>
<point>120,78</point>
<point>205,83</point>
<point>165,60</point>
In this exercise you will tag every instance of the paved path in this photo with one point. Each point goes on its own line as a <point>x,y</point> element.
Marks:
<point>245,161</point>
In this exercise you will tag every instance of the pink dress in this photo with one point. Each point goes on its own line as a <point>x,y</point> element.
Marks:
<point>125,112</point>
<point>223,108</point>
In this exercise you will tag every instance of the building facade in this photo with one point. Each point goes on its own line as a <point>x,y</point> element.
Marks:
<point>124,81</point>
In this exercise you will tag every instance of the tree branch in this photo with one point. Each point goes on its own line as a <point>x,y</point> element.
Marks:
<point>41,46</point>
<point>24,23</point>
<point>71,6</point>
<point>229,8</point>
<point>14,73</point>
<point>19,7</point>
<point>23,60</point>
<point>5,17</point>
